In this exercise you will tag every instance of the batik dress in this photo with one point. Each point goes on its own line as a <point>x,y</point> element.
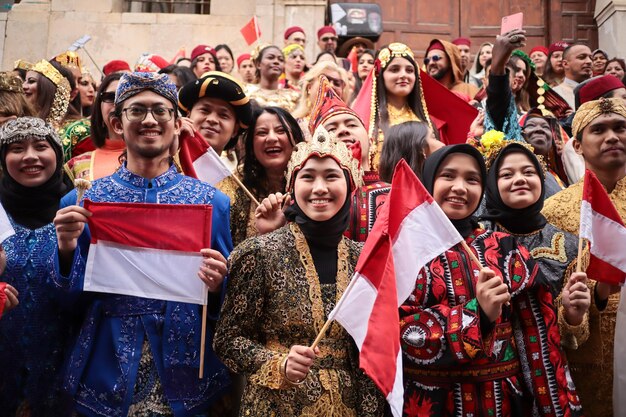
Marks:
<point>34,335</point>
<point>456,363</point>
<point>275,300</point>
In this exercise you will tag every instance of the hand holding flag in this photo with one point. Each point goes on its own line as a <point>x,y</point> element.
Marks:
<point>602,226</point>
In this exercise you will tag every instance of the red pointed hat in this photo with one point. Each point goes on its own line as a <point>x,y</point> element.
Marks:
<point>328,104</point>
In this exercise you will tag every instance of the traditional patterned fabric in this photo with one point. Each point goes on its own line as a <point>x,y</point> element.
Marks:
<point>242,220</point>
<point>590,110</point>
<point>133,83</point>
<point>555,251</point>
<point>96,164</point>
<point>76,138</point>
<point>366,203</point>
<point>27,128</point>
<point>104,362</point>
<point>592,363</point>
<point>285,98</point>
<point>275,300</point>
<point>456,365</point>
<point>34,335</point>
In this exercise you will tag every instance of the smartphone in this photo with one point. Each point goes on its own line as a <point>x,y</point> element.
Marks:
<point>514,21</point>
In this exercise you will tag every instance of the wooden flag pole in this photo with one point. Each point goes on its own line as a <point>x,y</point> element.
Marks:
<point>471,254</point>
<point>580,254</point>
<point>245,189</point>
<point>202,341</point>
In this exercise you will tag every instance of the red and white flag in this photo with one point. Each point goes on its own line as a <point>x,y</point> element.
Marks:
<point>6,229</point>
<point>601,224</point>
<point>200,161</point>
<point>410,231</point>
<point>251,31</point>
<point>148,250</point>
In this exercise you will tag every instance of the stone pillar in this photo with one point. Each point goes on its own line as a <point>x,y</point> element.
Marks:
<point>26,32</point>
<point>610,16</point>
<point>308,14</point>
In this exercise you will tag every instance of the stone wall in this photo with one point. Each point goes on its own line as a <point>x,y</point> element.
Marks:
<point>35,29</point>
<point>610,16</point>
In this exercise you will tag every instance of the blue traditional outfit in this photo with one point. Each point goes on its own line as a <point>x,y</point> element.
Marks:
<point>33,336</point>
<point>139,356</point>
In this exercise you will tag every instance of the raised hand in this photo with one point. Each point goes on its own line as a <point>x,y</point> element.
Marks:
<point>492,293</point>
<point>576,298</point>
<point>270,214</point>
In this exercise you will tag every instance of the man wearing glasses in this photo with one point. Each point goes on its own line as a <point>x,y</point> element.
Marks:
<point>327,39</point>
<point>130,345</point>
<point>443,63</point>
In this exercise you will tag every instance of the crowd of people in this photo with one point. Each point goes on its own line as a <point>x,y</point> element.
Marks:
<point>499,137</point>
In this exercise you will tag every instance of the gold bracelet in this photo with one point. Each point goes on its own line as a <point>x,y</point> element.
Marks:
<point>283,370</point>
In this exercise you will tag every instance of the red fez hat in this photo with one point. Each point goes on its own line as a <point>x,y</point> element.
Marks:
<point>115,66</point>
<point>202,49</point>
<point>324,30</point>
<point>557,46</point>
<point>541,49</point>
<point>290,31</point>
<point>462,41</point>
<point>596,88</point>
<point>241,58</point>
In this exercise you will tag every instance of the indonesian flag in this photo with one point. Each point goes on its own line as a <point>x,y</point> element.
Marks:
<point>410,231</point>
<point>148,250</point>
<point>6,229</point>
<point>199,160</point>
<point>601,224</point>
<point>251,32</point>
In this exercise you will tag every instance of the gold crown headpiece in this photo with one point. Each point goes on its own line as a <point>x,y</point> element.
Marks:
<point>324,144</point>
<point>69,59</point>
<point>493,142</point>
<point>23,65</point>
<point>10,82</point>
<point>393,50</point>
<point>590,110</point>
<point>47,70</point>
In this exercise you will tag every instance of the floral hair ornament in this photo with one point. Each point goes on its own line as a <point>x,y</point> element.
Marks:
<point>590,110</point>
<point>256,52</point>
<point>493,142</point>
<point>324,145</point>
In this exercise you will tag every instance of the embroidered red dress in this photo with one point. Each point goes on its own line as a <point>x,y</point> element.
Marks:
<point>453,366</point>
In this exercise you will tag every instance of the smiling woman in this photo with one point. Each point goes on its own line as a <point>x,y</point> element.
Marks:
<point>33,335</point>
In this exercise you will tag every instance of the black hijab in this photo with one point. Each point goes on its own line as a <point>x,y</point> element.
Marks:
<point>33,207</point>
<point>467,225</point>
<point>519,221</point>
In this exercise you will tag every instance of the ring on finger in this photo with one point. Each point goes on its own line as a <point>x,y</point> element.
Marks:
<point>514,38</point>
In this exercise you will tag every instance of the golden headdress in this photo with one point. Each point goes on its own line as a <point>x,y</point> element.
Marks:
<point>324,144</point>
<point>10,82</point>
<point>69,59</point>
<point>590,110</point>
<point>23,65</point>
<point>395,49</point>
<point>47,70</point>
<point>492,142</point>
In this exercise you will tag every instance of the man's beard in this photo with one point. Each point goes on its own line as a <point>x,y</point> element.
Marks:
<point>440,74</point>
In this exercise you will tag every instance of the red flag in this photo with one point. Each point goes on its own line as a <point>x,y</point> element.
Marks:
<point>601,224</point>
<point>353,57</point>
<point>3,297</point>
<point>251,31</point>
<point>410,231</point>
<point>199,160</point>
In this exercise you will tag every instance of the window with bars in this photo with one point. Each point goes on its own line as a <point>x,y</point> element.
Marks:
<point>169,6</point>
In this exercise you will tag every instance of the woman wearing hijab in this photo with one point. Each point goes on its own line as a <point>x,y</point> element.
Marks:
<point>33,335</point>
<point>514,198</point>
<point>282,286</point>
<point>480,340</point>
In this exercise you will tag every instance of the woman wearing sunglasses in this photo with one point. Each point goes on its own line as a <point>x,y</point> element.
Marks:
<point>104,160</point>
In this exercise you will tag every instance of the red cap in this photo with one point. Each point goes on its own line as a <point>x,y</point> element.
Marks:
<point>462,41</point>
<point>541,49</point>
<point>324,30</point>
<point>203,49</point>
<point>557,46</point>
<point>290,31</point>
<point>597,87</point>
<point>435,44</point>
<point>243,57</point>
<point>115,66</point>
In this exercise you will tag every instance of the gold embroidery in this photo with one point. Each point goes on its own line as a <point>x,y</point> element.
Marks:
<point>556,251</point>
